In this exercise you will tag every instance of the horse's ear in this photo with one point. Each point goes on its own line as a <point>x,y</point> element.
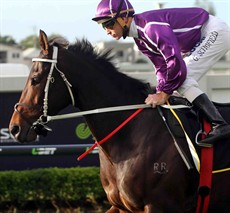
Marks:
<point>43,40</point>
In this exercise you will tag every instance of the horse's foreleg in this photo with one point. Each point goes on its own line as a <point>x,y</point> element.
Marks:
<point>147,209</point>
<point>113,210</point>
<point>116,210</point>
<point>152,209</point>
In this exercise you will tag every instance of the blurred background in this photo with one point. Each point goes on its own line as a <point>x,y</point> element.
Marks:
<point>20,22</point>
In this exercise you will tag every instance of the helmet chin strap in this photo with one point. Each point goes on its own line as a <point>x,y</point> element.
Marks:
<point>124,26</point>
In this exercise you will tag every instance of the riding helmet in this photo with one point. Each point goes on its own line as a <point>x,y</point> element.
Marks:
<point>111,9</point>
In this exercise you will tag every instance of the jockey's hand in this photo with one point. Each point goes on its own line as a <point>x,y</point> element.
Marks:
<point>157,99</point>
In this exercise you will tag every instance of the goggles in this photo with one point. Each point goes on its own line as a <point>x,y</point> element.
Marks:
<point>109,24</point>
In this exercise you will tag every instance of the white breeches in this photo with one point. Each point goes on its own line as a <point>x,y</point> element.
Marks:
<point>214,44</point>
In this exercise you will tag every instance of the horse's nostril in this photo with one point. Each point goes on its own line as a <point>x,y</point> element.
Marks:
<point>14,130</point>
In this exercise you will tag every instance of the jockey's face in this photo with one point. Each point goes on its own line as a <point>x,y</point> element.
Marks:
<point>114,30</point>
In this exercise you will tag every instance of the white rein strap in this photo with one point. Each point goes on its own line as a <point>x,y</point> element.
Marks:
<point>108,109</point>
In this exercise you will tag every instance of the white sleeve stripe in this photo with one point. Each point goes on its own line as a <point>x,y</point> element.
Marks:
<point>186,29</point>
<point>154,44</point>
<point>110,7</point>
<point>157,23</point>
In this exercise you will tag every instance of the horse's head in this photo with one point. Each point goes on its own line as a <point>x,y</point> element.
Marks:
<point>44,93</point>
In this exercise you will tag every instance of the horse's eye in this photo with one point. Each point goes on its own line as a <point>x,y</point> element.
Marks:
<point>35,80</point>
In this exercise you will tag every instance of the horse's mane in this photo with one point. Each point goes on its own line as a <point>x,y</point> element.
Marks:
<point>84,49</point>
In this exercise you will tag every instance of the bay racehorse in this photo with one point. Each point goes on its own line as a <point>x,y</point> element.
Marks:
<point>140,167</point>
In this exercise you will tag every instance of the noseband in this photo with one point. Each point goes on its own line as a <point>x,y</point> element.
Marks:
<point>39,125</point>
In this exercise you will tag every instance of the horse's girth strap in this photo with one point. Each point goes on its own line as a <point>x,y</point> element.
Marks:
<point>205,175</point>
<point>192,149</point>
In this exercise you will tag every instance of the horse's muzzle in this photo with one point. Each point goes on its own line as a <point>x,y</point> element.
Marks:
<point>25,136</point>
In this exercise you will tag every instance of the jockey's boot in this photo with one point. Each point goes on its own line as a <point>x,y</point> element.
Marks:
<point>220,129</point>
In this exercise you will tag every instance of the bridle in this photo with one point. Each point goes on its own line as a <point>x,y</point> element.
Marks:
<point>40,125</point>
<point>50,79</point>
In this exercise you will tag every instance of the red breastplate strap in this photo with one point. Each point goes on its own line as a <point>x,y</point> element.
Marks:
<point>110,135</point>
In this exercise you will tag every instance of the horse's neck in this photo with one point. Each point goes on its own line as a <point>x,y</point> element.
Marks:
<point>96,89</point>
<point>106,92</point>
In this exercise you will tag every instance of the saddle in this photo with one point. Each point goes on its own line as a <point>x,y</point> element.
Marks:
<point>192,123</point>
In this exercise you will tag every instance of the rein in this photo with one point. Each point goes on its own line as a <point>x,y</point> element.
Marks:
<point>109,109</point>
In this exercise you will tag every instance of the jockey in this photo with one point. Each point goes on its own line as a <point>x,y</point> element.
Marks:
<point>182,43</point>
